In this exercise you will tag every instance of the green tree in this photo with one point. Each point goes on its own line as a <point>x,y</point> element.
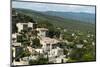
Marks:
<point>25,53</point>
<point>88,57</point>
<point>40,60</point>
<point>76,54</point>
<point>36,43</point>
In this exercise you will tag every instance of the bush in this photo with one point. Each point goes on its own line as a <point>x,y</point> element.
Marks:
<point>40,60</point>
<point>36,43</point>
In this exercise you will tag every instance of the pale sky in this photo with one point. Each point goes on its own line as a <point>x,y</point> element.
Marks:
<point>53,7</point>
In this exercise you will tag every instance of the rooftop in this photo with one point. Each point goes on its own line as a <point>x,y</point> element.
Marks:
<point>48,40</point>
<point>43,29</point>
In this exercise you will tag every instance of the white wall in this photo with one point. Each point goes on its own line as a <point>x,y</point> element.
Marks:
<point>5,33</point>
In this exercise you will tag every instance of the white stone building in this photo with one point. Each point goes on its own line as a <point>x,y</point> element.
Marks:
<point>21,26</point>
<point>55,54</point>
<point>79,45</point>
<point>42,32</point>
<point>47,43</point>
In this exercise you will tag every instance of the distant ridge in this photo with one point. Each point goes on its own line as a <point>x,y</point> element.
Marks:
<point>81,16</point>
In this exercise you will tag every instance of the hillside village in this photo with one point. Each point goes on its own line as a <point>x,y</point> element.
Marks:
<point>33,45</point>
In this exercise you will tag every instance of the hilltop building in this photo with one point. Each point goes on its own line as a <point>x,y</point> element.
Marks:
<point>26,26</point>
<point>42,32</point>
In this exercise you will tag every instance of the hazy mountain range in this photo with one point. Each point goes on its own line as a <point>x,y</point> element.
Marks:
<point>87,17</point>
